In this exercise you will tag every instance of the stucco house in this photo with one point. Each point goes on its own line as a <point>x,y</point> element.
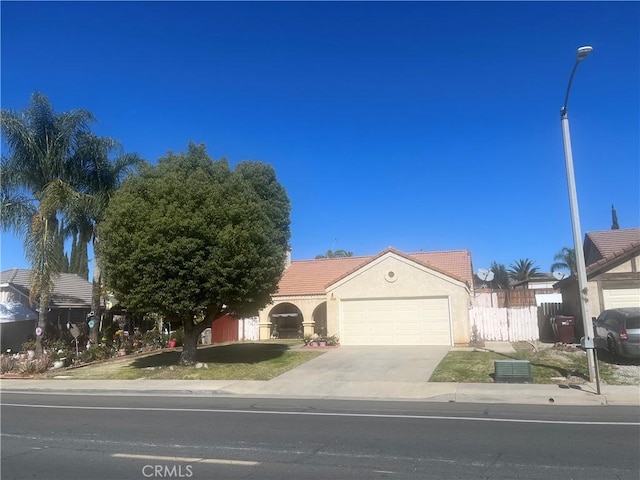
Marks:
<point>70,302</point>
<point>612,258</point>
<point>392,298</point>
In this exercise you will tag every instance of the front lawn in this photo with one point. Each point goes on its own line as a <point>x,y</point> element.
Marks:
<point>554,365</point>
<point>240,361</point>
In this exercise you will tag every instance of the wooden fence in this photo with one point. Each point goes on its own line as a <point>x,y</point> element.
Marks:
<point>513,324</point>
<point>515,298</point>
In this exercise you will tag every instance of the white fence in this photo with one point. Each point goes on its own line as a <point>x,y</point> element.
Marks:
<point>505,324</point>
<point>249,329</point>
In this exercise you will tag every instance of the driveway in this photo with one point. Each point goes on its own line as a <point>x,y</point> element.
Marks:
<point>410,364</point>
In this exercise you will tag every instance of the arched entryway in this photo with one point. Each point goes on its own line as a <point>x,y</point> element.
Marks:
<point>320,319</point>
<point>286,321</point>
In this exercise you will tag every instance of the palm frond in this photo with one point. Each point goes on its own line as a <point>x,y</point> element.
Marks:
<point>16,212</point>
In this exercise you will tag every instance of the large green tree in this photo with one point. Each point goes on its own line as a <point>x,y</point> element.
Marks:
<point>40,172</point>
<point>193,239</point>
<point>565,259</point>
<point>523,269</point>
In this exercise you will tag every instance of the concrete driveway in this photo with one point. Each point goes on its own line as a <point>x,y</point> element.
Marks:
<point>410,364</point>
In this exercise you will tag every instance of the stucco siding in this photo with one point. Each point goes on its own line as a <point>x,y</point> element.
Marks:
<point>393,276</point>
<point>624,267</point>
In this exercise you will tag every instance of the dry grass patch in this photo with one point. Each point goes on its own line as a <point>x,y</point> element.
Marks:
<point>549,365</point>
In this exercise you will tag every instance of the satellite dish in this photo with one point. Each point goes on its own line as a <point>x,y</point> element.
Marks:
<point>559,275</point>
<point>485,275</point>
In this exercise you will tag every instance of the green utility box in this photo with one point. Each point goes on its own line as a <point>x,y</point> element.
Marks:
<point>512,371</point>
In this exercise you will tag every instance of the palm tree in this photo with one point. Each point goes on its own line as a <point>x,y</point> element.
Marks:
<point>523,269</point>
<point>38,179</point>
<point>102,176</point>
<point>565,259</point>
<point>500,275</point>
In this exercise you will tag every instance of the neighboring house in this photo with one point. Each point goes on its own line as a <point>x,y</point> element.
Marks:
<point>70,302</point>
<point>544,281</point>
<point>540,289</point>
<point>612,258</point>
<point>17,323</point>
<point>392,298</point>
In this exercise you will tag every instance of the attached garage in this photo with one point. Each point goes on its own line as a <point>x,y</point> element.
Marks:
<point>396,321</point>
<point>612,258</point>
<point>621,297</point>
<point>391,298</point>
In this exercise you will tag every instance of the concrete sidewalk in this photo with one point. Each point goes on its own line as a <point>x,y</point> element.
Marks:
<point>366,390</point>
<point>358,373</point>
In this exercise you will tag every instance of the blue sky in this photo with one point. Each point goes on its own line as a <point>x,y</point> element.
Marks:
<point>421,125</point>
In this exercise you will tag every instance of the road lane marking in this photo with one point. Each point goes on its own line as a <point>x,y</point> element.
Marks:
<point>218,461</point>
<point>323,414</point>
<point>555,471</point>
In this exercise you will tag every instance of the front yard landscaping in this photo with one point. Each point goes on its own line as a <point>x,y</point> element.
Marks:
<point>240,361</point>
<point>550,364</point>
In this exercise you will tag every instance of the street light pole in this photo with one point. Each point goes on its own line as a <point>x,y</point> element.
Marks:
<point>581,270</point>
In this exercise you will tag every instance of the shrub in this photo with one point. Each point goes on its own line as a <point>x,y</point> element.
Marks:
<point>154,338</point>
<point>28,367</point>
<point>28,345</point>
<point>333,340</point>
<point>43,364</point>
<point>7,364</point>
<point>96,352</point>
<point>59,348</point>
<point>178,335</point>
<point>60,344</point>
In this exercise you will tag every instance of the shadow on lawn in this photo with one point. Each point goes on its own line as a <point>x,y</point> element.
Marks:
<point>230,354</point>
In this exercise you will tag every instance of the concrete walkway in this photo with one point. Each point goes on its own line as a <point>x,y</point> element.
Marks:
<point>365,390</point>
<point>362,373</point>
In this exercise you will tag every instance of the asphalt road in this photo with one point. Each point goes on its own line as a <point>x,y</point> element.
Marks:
<point>87,437</point>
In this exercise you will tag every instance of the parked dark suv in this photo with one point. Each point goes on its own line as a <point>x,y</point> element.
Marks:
<point>618,331</point>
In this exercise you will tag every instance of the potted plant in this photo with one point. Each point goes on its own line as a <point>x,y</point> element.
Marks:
<point>307,339</point>
<point>177,337</point>
<point>57,359</point>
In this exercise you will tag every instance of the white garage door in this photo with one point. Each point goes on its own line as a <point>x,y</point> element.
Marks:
<point>621,297</point>
<point>397,321</point>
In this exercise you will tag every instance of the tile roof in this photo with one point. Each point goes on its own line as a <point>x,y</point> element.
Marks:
<point>608,243</point>
<point>611,260</point>
<point>312,277</point>
<point>69,291</point>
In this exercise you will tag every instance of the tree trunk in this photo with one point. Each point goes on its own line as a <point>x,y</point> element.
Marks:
<point>190,343</point>
<point>96,291</point>
<point>42,323</point>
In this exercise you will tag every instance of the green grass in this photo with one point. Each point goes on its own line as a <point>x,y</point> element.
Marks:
<point>246,361</point>
<point>478,366</point>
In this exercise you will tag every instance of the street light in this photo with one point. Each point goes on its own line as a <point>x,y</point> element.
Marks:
<point>581,270</point>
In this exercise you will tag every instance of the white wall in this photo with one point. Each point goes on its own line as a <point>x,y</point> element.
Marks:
<point>249,329</point>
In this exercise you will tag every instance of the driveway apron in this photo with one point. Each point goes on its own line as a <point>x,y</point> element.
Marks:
<point>412,364</point>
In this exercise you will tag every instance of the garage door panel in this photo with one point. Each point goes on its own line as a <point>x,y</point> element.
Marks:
<point>621,297</point>
<point>407,321</point>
